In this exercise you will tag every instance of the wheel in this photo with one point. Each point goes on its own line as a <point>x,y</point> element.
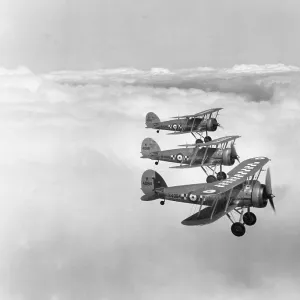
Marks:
<point>157,131</point>
<point>156,162</point>
<point>211,178</point>
<point>162,202</point>
<point>221,176</point>
<point>238,229</point>
<point>199,141</point>
<point>249,218</point>
<point>207,139</point>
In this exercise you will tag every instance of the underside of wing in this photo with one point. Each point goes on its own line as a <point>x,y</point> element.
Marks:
<point>205,218</point>
<point>192,166</point>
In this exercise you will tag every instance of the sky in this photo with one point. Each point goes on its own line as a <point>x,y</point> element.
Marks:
<point>72,225</point>
<point>90,34</point>
<point>76,82</point>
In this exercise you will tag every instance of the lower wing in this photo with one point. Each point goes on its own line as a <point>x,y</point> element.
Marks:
<point>205,216</point>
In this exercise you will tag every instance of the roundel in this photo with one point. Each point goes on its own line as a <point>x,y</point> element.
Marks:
<point>193,197</point>
<point>175,126</point>
<point>179,157</point>
<point>209,191</point>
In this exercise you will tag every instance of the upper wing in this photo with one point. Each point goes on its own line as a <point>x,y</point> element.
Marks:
<point>236,176</point>
<point>202,113</point>
<point>218,141</point>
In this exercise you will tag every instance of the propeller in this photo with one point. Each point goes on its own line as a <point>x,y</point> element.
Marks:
<point>234,154</point>
<point>268,189</point>
<point>218,124</point>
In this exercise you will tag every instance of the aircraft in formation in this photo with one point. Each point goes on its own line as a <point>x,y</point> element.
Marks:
<point>222,195</point>
<point>195,124</point>
<point>207,156</point>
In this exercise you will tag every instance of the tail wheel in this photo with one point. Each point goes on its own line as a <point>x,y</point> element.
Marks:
<point>211,178</point>
<point>157,131</point>
<point>238,229</point>
<point>162,202</point>
<point>199,141</point>
<point>207,139</point>
<point>156,162</point>
<point>249,218</point>
<point>221,176</point>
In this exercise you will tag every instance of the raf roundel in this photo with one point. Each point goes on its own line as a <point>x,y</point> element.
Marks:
<point>179,157</point>
<point>174,126</point>
<point>209,191</point>
<point>193,197</point>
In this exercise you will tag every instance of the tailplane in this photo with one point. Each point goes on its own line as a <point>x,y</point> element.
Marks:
<point>149,146</point>
<point>151,181</point>
<point>151,119</point>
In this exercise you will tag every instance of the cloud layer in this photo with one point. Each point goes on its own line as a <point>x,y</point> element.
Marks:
<point>72,225</point>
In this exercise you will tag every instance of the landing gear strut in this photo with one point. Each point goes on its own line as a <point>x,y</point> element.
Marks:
<point>238,228</point>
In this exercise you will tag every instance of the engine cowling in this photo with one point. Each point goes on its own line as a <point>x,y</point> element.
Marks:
<point>227,158</point>
<point>258,198</point>
<point>211,124</point>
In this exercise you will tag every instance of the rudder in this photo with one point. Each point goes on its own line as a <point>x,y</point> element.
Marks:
<point>150,181</point>
<point>151,118</point>
<point>148,146</point>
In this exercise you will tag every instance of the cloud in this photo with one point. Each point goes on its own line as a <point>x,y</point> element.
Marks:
<point>250,81</point>
<point>71,222</point>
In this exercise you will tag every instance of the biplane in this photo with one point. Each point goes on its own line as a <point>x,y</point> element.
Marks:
<point>207,156</point>
<point>236,194</point>
<point>195,124</point>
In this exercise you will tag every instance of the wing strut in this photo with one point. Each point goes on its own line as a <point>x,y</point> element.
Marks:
<point>194,155</point>
<point>204,157</point>
<point>228,200</point>
<point>214,205</point>
<point>193,125</point>
<point>200,207</point>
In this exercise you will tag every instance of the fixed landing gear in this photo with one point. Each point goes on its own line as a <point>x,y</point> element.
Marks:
<point>238,229</point>
<point>249,218</point>
<point>156,162</point>
<point>211,178</point>
<point>207,139</point>
<point>162,202</point>
<point>199,141</point>
<point>221,175</point>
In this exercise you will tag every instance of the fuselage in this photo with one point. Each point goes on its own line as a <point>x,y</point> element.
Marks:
<point>186,125</point>
<point>185,155</point>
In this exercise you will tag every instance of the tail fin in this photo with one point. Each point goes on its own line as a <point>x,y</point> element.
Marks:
<point>151,180</point>
<point>151,119</point>
<point>149,146</point>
